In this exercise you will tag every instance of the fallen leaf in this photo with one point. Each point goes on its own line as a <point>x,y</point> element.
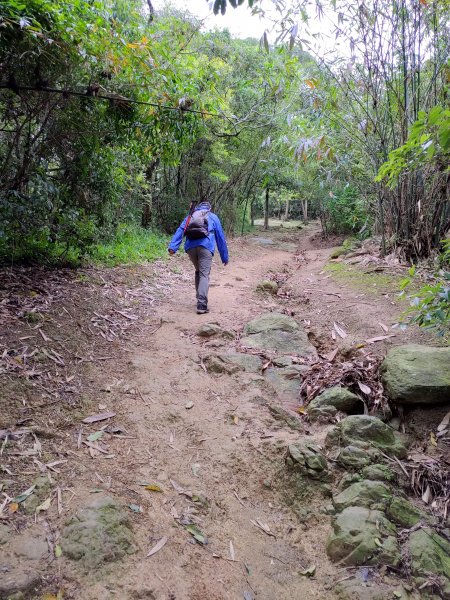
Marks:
<point>378,543</point>
<point>301,410</point>
<point>383,326</point>
<point>135,508</point>
<point>235,419</point>
<point>232,551</point>
<point>433,439</point>
<point>427,496</point>
<point>157,547</point>
<point>309,572</point>
<point>196,533</point>
<point>99,417</point>
<point>44,506</point>
<point>13,507</point>
<point>380,338</point>
<point>263,527</point>
<point>331,355</point>
<point>24,495</point>
<point>95,436</point>
<point>364,388</point>
<point>152,487</point>
<point>444,423</point>
<point>58,551</point>
<point>341,332</point>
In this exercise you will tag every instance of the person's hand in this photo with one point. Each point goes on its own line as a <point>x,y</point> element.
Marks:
<point>171,252</point>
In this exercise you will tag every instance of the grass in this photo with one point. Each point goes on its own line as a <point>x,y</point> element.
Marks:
<point>362,280</point>
<point>130,245</point>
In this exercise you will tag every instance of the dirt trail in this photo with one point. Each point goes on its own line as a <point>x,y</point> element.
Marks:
<point>219,449</point>
<point>211,436</point>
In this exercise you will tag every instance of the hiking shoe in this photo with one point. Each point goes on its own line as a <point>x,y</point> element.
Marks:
<point>202,309</point>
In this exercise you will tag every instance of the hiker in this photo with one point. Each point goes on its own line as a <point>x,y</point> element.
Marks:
<point>203,230</point>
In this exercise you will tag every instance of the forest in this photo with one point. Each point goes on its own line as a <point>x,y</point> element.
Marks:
<point>114,117</point>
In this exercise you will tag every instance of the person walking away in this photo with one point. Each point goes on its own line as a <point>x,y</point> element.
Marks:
<point>203,230</point>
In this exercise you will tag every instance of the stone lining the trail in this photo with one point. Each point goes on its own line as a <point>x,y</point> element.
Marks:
<point>367,432</point>
<point>338,397</point>
<point>98,533</point>
<point>279,333</point>
<point>363,537</point>
<point>232,363</point>
<point>306,458</point>
<point>414,374</point>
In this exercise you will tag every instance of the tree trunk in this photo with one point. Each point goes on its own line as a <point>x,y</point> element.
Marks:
<point>266,210</point>
<point>286,212</point>
<point>305,210</point>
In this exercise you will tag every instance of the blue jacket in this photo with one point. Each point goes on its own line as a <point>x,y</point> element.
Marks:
<point>215,235</point>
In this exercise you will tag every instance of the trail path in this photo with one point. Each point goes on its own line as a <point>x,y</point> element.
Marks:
<point>207,440</point>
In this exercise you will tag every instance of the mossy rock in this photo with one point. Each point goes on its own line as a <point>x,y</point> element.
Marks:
<point>404,513</point>
<point>209,330</point>
<point>279,333</point>
<point>415,374</point>
<point>306,458</point>
<point>354,457</point>
<point>362,536</point>
<point>429,553</point>
<point>98,533</point>
<point>339,397</point>
<point>281,414</point>
<point>322,414</point>
<point>378,472</point>
<point>267,285</point>
<point>287,381</point>
<point>367,432</point>
<point>366,493</point>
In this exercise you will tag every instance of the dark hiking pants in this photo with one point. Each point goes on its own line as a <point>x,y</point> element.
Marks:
<point>202,260</point>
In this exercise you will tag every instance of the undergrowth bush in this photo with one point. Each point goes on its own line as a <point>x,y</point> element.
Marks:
<point>430,305</point>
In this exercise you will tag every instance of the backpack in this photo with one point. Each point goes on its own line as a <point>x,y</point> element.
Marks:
<point>197,226</point>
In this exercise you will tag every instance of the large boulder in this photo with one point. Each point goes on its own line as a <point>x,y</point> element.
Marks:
<point>98,533</point>
<point>415,374</point>
<point>370,494</point>
<point>287,381</point>
<point>367,432</point>
<point>341,398</point>
<point>363,537</point>
<point>430,553</point>
<point>279,333</point>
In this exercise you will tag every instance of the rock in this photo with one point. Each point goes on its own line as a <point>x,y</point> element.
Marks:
<point>278,333</point>
<point>98,533</point>
<point>287,381</point>
<point>363,536</point>
<point>18,581</point>
<point>308,460</point>
<point>367,432</point>
<point>5,534</point>
<point>41,492</point>
<point>211,329</point>
<point>402,512</point>
<point>322,414</point>
<point>281,414</point>
<point>358,588</point>
<point>232,362</point>
<point>378,472</point>
<point>353,457</point>
<point>430,553</point>
<point>348,479</point>
<point>267,286</point>
<point>369,494</point>
<point>341,398</point>
<point>415,374</point>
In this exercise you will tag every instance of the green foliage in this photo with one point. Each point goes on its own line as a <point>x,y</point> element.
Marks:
<point>430,305</point>
<point>344,212</point>
<point>428,142</point>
